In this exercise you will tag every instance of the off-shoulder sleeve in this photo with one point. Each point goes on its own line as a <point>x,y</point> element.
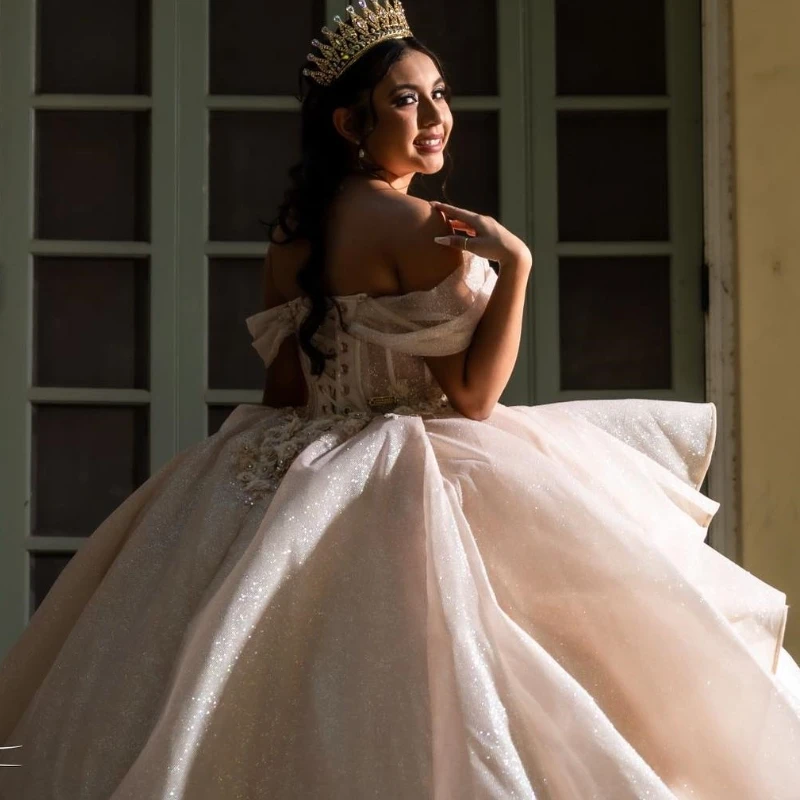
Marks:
<point>435,322</point>
<point>269,328</point>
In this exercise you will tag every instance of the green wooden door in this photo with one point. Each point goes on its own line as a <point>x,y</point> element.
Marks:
<point>141,142</point>
<point>617,223</point>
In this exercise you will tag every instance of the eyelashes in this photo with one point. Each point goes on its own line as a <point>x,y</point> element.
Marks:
<point>443,91</point>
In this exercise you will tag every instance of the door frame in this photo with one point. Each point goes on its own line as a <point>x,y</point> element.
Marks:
<point>721,341</point>
<point>722,344</point>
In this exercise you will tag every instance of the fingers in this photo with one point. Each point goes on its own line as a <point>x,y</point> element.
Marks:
<point>457,213</point>
<point>458,225</point>
<point>462,226</point>
<point>451,241</point>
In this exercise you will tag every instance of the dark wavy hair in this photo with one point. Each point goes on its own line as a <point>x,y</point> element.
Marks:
<point>326,159</point>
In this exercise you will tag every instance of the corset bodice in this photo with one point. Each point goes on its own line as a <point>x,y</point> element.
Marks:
<point>378,345</point>
<point>361,375</point>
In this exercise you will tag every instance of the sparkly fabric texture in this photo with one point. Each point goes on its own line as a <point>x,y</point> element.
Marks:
<point>379,598</point>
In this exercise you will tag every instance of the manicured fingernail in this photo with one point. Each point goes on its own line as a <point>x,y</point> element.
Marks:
<point>441,240</point>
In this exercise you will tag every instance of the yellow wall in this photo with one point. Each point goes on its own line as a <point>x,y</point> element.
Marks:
<point>766,78</point>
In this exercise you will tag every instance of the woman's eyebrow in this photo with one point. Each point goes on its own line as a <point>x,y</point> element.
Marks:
<point>414,86</point>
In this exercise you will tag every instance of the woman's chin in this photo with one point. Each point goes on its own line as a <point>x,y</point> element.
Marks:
<point>430,164</point>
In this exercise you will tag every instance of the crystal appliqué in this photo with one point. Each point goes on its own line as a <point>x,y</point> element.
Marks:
<point>266,454</point>
<point>408,401</point>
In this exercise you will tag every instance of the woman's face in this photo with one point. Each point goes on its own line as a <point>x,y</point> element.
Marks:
<point>413,120</point>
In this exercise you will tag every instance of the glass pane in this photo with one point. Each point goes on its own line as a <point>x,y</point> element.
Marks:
<point>475,179</point>
<point>250,154</point>
<point>610,47</point>
<point>612,176</point>
<point>463,34</point>
<point>92,175</point>
<point>44,570</point>
<point>251,54</point>
<point>86,461</point>
<point>614,320</point>
<point>234,293</point>
<point>216,416</point>
<point>91,319</point>
<point>94,46</point>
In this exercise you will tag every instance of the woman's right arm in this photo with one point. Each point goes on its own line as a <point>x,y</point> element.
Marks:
<point>473,379</point>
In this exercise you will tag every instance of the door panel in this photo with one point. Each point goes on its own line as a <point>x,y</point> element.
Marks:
<point>92,175</point>
<point>601,301</point>
<point>249,156</point>
<point>92,326</point>
<point>93,47</point>
<point>143,145</point>
<point>254,47</point>
<point>617,47</point>
<point>612,176</point>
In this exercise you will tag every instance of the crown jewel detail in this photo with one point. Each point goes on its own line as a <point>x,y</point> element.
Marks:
<point>365,28</point>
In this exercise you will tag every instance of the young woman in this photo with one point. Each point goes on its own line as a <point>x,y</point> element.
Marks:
<point>382,582</point>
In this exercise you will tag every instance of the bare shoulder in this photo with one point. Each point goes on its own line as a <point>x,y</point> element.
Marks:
<point>390,234</point>
<point>381,242</point>
<point>421,263</point>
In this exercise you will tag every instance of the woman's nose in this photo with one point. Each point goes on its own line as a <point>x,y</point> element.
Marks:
<point>429,115</point>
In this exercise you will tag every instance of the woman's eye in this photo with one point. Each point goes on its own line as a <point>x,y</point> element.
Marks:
<point>438,94</point>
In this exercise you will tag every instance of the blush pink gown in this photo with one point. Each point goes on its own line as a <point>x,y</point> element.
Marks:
<point>380,598</point>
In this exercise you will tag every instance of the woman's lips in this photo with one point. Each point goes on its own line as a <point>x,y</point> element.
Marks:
<point>429,144</point>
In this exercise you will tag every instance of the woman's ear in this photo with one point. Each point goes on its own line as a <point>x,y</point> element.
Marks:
<point>343,122</point>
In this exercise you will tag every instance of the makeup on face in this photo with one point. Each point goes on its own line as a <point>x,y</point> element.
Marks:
<point>413,120</point>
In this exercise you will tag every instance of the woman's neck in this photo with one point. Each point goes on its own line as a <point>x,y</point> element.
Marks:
<point>399,183</point>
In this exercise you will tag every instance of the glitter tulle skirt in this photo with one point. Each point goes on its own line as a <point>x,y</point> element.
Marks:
<point>424,608</point>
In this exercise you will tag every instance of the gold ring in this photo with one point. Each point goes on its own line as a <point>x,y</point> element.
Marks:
<point>464,245</point>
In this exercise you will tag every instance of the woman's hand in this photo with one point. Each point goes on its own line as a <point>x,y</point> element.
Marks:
<point>475,378</point>
<point>489,238</point>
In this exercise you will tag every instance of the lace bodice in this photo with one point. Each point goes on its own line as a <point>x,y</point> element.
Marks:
<point>378,347</point>
<point>379,343</point>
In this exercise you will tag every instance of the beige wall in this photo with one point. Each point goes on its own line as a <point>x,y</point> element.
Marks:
<point>766,81</point>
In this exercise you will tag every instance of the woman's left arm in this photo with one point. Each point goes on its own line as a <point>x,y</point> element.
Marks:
<point>284,384</point>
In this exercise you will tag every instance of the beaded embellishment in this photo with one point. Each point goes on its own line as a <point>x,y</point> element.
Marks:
<point>409,403</point>
<point>270,449</point>
<point>264,457</point>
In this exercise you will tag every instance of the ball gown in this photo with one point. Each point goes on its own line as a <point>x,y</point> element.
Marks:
<point>376,597</point>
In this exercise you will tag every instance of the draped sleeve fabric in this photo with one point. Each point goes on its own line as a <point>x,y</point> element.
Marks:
<point>269,328</point>
<point>433,322</point>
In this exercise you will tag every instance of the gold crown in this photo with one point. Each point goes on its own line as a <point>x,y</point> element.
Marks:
<point>365,29</point>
